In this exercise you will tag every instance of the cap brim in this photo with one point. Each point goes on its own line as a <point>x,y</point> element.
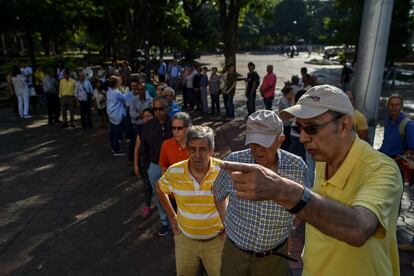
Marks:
<point>261,139</point>
<point>301,112</point>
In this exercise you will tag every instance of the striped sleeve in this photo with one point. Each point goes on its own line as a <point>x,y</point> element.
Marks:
<point>165,183</point>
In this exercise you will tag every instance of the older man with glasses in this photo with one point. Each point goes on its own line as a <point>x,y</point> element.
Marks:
<point>352,212</point>
<point>154,133</point>
<point>257,232</point>
<point>169,94</point>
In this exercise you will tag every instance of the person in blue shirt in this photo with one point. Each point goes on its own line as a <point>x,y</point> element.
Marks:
<point>393,143</point>
<point>162,70</point>
<point>169,94</point>
<point>115,107</point>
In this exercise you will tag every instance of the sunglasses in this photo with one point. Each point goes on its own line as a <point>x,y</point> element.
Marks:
<point>177,128</point>
<point>314,129</point>
<point>158,109</point>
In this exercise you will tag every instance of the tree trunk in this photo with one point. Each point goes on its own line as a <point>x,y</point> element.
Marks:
<point>229,19</point>
<point>46,43</point>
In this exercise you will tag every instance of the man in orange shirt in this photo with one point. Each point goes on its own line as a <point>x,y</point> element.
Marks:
<point>173,150</point>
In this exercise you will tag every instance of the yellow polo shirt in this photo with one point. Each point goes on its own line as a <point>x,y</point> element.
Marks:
<point>197,215</point>
<point>359,119</point>
<point>67,87</point>
<point>370,179</point>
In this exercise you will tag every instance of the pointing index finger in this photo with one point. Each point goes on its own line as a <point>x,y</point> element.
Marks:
<point>236,167</point>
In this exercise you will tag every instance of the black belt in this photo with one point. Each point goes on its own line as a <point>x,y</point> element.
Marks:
<point>273,251</point>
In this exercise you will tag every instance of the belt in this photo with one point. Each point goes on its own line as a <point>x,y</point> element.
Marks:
<point>273,251</point>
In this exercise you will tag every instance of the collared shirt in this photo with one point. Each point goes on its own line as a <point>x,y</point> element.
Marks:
<point>67,87</point>
<point>268,85</point>
<point>83,89</point>
<point>174,71</point>
<point>392,144</point>
<point>258,225</point>
<point>366,178</point>
<point>136,106</point>
<point>152,135</point>
<point>115,108</point>
<point>197,215</point>
<point>171,153</point>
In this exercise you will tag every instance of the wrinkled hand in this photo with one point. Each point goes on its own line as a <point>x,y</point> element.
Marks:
<point>174,225</point>
<point>252,181</point>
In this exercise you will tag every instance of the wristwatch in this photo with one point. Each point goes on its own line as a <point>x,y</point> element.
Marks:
<point>306,196</point>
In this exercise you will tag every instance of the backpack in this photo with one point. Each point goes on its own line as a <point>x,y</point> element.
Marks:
<point>402,127</point>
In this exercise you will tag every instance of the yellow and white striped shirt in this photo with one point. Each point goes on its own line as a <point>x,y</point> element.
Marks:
<point>197,215</point>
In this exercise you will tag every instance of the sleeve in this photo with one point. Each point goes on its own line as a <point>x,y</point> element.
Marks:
<point>410,135</point>
<point>165,183</point>
<point>163,160</point>
<point>381,194</point>
<point>223,184</point>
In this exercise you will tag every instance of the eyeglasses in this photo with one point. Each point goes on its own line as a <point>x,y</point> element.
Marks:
<point>155,109</point>
<point>314,129</point>
<point>177,128</point>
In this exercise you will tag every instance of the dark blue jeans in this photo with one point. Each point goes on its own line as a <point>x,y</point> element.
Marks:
<point>268,102</point>
<point>228,104</point>
<point>188,98</point>
<point>215,103</point>
<point>115,134</point>
<point>85,112</point>
<point>251,102</point>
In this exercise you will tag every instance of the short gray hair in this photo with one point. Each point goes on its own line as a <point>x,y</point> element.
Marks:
<point>169,89</point>
<point>162,100</point>
<point>200,132</point>
<point>183,116</point>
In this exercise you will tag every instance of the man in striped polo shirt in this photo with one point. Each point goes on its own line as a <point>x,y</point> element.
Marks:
<point>197,225</point>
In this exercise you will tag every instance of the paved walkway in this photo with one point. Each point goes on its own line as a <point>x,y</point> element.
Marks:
<point>67,206</point>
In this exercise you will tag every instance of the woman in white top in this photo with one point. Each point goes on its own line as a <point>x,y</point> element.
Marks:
<point>21,90</point>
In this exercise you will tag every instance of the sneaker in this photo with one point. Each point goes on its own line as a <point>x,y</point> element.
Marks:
<point>146,212</point>
<point>118,153</point>
<point>164,230</point>
<point>27,116</point>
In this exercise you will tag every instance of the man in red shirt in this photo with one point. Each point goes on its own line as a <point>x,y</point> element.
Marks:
<point>267,90</point>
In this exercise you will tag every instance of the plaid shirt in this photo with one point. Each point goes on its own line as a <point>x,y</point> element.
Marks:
<point>258,225</point>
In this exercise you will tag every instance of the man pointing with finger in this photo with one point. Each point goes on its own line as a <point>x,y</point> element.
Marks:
<point>257,232</point>
<point>351,214</point>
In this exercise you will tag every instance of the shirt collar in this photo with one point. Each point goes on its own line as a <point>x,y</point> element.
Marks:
<point>339,179</point>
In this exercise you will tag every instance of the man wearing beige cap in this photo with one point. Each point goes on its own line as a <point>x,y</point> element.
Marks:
<point>257,231</point>
<point>352,212</point>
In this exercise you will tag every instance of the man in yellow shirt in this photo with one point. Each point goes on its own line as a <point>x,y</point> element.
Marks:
<point>67,87</point>
<point>360,121</point>
<point>197,225</point>
<point>351,214</point>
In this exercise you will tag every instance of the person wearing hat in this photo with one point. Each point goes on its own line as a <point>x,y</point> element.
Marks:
<point>351,214</point>
<point>257,232</point>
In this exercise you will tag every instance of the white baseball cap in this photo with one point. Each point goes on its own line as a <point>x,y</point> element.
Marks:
<point>263,127</point>
<point>318,100</point>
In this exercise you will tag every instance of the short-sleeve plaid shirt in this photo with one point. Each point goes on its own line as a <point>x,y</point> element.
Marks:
<point>258,225</point>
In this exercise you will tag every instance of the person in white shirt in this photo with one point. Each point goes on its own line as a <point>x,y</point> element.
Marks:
<point>84,95</point>
<point>21,89</point>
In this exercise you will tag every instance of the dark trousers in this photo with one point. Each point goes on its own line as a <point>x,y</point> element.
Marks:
<point>132,141</point>
<point>145,179</point>
<point>85,112</point>
<point>188,99</point>
<point>228,104</point>
<point>197,98</point>
<point>161,78</point>
<point>286,142</point>
<point>268,102</point>
<point>251,102</point>
<point>53,107</point>
<point>215,103</point>
<point>115,134</point>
